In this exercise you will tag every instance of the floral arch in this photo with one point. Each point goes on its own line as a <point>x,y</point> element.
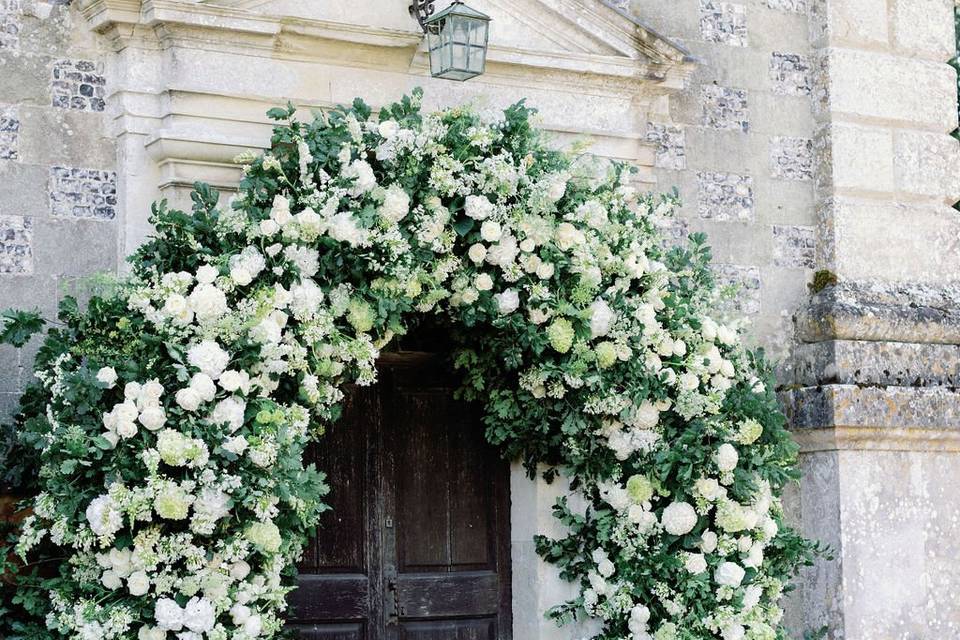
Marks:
<point>170,416</point>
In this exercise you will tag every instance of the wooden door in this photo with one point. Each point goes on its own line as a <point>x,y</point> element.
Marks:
<point>417,544</point>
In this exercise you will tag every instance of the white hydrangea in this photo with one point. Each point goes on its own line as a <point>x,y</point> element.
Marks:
<point>729,574</point>
<point>726,457</point>
<point>209,358</point>
<point>678,518</point>
<point>478,207</point>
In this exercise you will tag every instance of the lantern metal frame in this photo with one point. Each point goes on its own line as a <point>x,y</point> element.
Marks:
<point>459,56</point>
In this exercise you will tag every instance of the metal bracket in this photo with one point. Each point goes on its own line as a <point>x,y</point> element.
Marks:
<point>421,10</point>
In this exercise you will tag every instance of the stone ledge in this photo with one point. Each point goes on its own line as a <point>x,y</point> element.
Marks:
<point>890,417</point>
<point>860,439</point>
<point>882,312</point>
<point>861,362</point>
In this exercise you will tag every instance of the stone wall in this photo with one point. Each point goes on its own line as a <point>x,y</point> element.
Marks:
<point>738,143</point>
<point>58,200</point>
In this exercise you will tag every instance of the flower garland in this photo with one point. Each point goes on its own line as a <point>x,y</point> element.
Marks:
<point>171,416</point>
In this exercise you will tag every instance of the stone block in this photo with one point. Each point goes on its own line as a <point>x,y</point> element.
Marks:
<point>744,282</point>
<point>83,193</point>
<point>849,23</point>
<point>724,108</point>
<point>790,74</point>
<point>791,158</point>
<point>870,85</point>
<point>670,146</point>
<point>853,157</point>
<point>10,24</point>
<point>724,196</point>
<point>9,133</point>
<point>793,246</point>
<point>794,6</point>
<point>24,78</point>
<point>924,28</point>
<point>16,245</point>
<point>927,164</point>
<point>78,85</point>
<point>24,189</point>
<point>723,23</point>
<point>65,137</point>
<point>57,241</point>
<point>865,362</point>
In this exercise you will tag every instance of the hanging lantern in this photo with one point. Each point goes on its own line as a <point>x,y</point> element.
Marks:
<point>456,39</point>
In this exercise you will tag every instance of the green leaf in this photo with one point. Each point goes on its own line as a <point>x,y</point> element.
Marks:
<point>464,226</point>
<point>19,326</point>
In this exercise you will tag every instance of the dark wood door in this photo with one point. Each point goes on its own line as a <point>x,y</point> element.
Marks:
<point>417,544</point>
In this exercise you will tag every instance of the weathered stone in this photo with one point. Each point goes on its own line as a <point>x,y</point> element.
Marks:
<point>927,164</point>
<point>853,157</point>
<point>83,193</point>
<point>16,245</point>
<point>791,158</point>
<point>723,22</point>
<point>9,24</point>
<point>925,28</point>
<point>674,231</point>
<point>879,311</point>
<point>670,146</point>
<point>9,133</point>
<point>724,196</point>
<point>790,74</point>
<point>793,246</point>
<point>744,282</point>
<point>77,84</point>
<point>796,6</point>
<point>724,108</point>
<point>863,362</point>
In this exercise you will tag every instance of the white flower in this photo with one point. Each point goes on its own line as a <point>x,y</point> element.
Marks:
<point>107,376</point>
<point>188,399</point>
<point>732,631</point>
<point>729,574</point>
<point>362,174</point>
<point>150,393</point>
<point>211,505</point>
<point>207,274</point>
<point>268,227</point>
<point>229,411</point>
<point>232,381</point>
<point>236,445</point>
<point>104,518</point>
<point>726,457</point>
<point>567,236</point>
<point>153,417</point>
<point>679,518</point>
<point>310,223</point>
<point>478,207</point>
<point>751,596</point>
<point>645,416</point>
<point>388,128</point>
<point>477,253</point>
<point>280,211</point>
<point>483,282</point>
<point>545,270</point>
<point>343,227</point>
<point>111,580</point>
<point>396,204</point>
<point>176,307</point>
<point>605,568</point>
<point>557,187</point>
<point>208,303</point>
<point>168,614</point>
<point>306,260</point>
<point>639,615</point>
<point>593,213</point>
<point>138,583</point>
<point>695,563</point>
<point>151,633</point>
<point>491,231</point>
<point>209,357</point>
<point>239,613</point>
<point>253,626</point>
<point>239,570</point>
<point>507,302</point>
<point>689,381</point>
<point>709,489</point>
<point>708,542</point>
<point>126,429</point>
<point>199,615</point>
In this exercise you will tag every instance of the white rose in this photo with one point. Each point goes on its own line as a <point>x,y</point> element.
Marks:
<point>545,270</point>
<point>153,417</point>
<point>388,128</point>
<point>151,633</point>
<point>229,411</point>
<point>477,253</point>
<point>280,211</point>
<point>208,303</point>
<point>235,381</point>
<point>126,429</point>
<point>602,318</point>
<point>253,626</point>
<point>755,557</point>
<point>507,302</point>
<point>111,437</point>
<point>751,596</point>
<point>363,174</point>
<point>107,376</point>
<point>557,187</point>
<point>483,282</point>
<point>726,335</point>
<point>708,542</point>
<point>679,518</point>
<point>150,392</point>
<point>729,574</point>
<point>396,204</point>
<point>204,386</point>
<point>695,563</point>
<point>726,368</point>
<point>236,445</point>
<point>207,274</point>
<point>708,328</point>
<point>239,613</point>
<point>119,560</point>
<point>491,231</point>
<point>188,399</point>
<point>689,381</point>
<point>209,358</point>
<point>138,583</point>
<point>646,416</point>
<point>726,457</point>
<point>709,489</point>
<point>199,615</point>
<point>605,568</point>
<point>241,275</point>
<point>176,307</point>
<point>168,614</point>
<point>111,580</point>
<point>268,227</point>
<point>343,227</point>
<point>478,207</point>
<point>732,631</point>
<point>527,245</point>
<point>239,570</point>
<point>567,236</point>
<point>469,296</point>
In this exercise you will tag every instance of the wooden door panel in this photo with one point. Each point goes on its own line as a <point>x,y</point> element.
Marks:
<point>483,629</point>
<point>347,631</point>
<point>345,597</point>
<point>452,595</point>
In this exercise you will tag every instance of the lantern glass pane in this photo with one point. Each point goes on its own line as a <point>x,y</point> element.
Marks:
<point>457,42</point>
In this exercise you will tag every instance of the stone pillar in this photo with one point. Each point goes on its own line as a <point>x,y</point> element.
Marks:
<point>873,403</point>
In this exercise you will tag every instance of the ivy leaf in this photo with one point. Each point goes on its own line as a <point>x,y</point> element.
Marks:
<point>19,326</point>
<point>463,227</point>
